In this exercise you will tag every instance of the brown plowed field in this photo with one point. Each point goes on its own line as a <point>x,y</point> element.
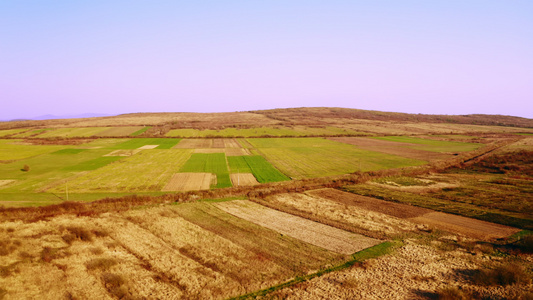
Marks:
<point>389,147</point>
<point>194,144</point>
<point>218,143</point>
<point>231,143</point>
<point>240,179</point>
<point>470,227</point>
<point>390,208</point>
<point>314,233</point>
<point>188,182</point>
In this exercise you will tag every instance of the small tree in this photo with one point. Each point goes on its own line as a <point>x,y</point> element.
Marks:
<point>26,168</point>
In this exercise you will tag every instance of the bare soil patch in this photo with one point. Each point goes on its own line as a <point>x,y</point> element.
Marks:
<point>188,182</point>
<point>470,227</point>
<point>194,144</point>
<point>148,147</point>
<point>6,182</point>
<point>243,179</point>
<point>317,234</point>
<point>389,147</point>
<point>390,208</point>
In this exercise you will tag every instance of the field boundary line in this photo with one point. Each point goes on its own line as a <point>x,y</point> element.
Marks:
<point>358,257</point>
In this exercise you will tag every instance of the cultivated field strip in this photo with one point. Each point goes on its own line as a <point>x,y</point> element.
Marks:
<point>191,277</point>
<point>243,179</point>
<point>390,147</point>
<point>188,182</point>
<point>467,226</point>
<point>194,144</point>
<point>320,235</point>
<point>185,251</point>
<point>148,170</point>
<point>354,218</point>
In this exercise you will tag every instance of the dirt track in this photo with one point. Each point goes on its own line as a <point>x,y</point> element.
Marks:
<point>188,182</point>
<point>317,234</point>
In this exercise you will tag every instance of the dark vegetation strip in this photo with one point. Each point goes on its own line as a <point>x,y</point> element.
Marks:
<point>359,257</point>
<point>31,214</point>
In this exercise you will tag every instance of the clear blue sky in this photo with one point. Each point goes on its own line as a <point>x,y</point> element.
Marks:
<point>437,57</point>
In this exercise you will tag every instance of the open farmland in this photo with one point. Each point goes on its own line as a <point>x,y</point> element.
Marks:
<point>317,234</point>
<point>315,157</point>
<point>73,132</point>
<point>264,132</point>
<point>181,182</point>
<point>120,131</point>
<point>16,150</point>
<point>148,170</point>
<point>209,163</point>
<point>140,142</point>
<point>265,218</point>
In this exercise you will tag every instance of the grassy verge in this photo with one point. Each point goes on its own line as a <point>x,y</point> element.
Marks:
<point>372,252</point>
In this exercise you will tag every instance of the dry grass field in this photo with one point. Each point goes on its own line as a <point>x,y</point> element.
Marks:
<point>342,204</point>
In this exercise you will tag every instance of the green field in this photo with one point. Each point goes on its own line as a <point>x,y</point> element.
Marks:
<point>432,145</point>
<point>263,131</point>
<point>148,170</point>
<point>317,157</point>
<point>7,132</point>
<point>209,163</point>
<point>29,133</point>
<point>139,142</point>
<point>263,171</point>
<point>16,150</point>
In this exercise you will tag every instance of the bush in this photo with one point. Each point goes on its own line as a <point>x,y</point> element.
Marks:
<point>26,168</point>
<point>100,263</point>
<point>503,275</point>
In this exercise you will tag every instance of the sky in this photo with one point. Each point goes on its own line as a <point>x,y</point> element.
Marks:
<point>432,57</point>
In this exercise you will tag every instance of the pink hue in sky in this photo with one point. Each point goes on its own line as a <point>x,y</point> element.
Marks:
<point>436,57</point>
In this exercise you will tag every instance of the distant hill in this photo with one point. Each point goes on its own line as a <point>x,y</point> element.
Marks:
<point>303,116</point>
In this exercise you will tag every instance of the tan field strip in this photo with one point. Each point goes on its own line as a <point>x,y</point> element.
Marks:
<point>231,143</point>
<point>470,227</point>
<point>123,152</point>
<point>181,182</point>
<point>237,151</point>
<point>194,144</point>
<point>467,226</point>
<point>317,234</point>
<point>6,182</point>
<point>395,148</point>
<point>210,150</point>
<point>148,147</point>
<point>218,143</point>
<point>243,179</point>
